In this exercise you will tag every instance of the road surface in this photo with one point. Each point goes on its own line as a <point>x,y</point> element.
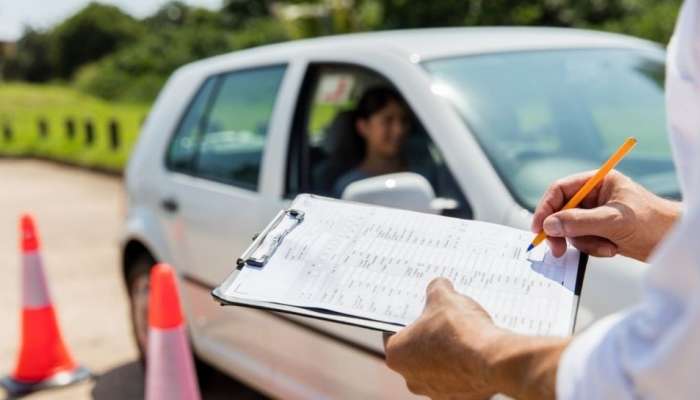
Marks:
<point>79,215</point>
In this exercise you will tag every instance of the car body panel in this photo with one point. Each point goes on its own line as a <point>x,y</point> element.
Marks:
<point>287,359</point>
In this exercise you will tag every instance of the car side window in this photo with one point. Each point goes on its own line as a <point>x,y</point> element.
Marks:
<point>320,153</point>
<point>184,142</point>
<point>322,123</point>
<point>235,128</point>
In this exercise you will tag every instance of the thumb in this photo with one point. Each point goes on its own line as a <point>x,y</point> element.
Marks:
<point>437,292</point>
<point>575,222</point>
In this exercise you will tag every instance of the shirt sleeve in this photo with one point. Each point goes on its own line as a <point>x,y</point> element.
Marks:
<point>653,350</point>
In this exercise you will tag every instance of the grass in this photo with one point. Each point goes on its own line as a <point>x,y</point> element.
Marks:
<point>22,106</point>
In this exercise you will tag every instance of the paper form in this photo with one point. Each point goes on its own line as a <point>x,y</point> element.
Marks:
<point>375,263</point>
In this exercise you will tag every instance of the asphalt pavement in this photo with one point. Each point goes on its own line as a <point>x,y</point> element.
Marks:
<point>79,216</point>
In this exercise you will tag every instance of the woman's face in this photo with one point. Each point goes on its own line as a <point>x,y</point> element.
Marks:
<point>385,130</point>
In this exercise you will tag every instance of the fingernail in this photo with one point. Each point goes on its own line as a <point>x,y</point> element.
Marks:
<point>607,251</point>
<point>552,226</point>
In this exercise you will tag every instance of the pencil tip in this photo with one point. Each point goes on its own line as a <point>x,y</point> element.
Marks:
<point>530,247</point>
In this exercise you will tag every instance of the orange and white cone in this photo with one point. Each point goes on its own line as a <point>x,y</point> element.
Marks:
<point>169,367</point>
<point>44,361</point>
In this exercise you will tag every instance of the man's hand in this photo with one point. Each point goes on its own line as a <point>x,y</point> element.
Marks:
<point>455,351</point>
<point>617,217</point>
<point>445,353</point>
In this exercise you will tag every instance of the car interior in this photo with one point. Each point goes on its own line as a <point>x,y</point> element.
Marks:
<point>324,116</point>
<point>560,112</point>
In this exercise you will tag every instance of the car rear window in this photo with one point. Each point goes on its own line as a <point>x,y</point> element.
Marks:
<point>222,135</point>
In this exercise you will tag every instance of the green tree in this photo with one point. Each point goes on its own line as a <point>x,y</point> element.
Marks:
<point>95,31</point>
<point>30,62</point>
<point>169,14</point>
<point>177,34</point>
<point>178,14</point>
<point>645,18</point>
<point>240,11</point>
<point>137,72</point>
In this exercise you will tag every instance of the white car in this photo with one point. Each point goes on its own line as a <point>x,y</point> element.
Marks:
<point>499,114</point>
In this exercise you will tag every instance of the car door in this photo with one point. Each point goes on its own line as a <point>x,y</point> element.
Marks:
<point>323,114</point>
<point>215,159</point>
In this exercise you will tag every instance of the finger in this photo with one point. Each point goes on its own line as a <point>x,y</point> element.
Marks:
<point>557,246</point>
<point>595,246</point>
<point>385,337</point>
<point>416,387</point>
<point>394,350</point>
<point>556,196</point>
<point>599,221</point>
<point>437,290</point>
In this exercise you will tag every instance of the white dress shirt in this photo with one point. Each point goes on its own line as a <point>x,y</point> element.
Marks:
<point>652,351</point>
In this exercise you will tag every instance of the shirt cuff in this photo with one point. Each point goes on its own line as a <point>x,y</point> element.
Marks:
<point>589,368</point>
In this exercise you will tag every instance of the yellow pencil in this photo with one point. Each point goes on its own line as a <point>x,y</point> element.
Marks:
<point>591,183</point>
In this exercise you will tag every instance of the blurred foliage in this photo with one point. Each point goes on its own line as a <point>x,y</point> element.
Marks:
<point>31,61</point>
<point>238,12</point>
<point>95,31</point>
<point>138,71</point>
<point>176,35</point>
<point>107,53</point>
<point>653,20</point>
<point>258,32</point>
<point>649,19</point>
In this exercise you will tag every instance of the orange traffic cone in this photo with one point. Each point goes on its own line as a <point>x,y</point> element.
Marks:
<point>44,360</point>
<point>169,367</point>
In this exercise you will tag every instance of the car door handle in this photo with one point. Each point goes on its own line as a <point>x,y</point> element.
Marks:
<point>170,205</point>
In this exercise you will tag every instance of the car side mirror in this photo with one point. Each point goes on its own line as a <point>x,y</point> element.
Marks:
<point>406,190</point>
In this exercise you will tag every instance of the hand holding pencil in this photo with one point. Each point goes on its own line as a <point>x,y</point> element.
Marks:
<point>618,216</point>
<point>591,183</point>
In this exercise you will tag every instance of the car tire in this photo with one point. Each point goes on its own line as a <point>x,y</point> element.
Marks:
<point>138,284</point>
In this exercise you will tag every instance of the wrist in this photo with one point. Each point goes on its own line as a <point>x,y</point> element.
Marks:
<point>525,367</point>
<point>671,210</point>
<point>667,213</point>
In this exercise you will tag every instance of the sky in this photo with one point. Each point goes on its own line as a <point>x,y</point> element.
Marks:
<point>43,14</point>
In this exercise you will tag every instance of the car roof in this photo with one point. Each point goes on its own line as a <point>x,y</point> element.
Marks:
<point>431,43</point>
<point>417,45</point>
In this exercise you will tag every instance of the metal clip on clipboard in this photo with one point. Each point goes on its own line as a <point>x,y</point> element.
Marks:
<point>253,260</point>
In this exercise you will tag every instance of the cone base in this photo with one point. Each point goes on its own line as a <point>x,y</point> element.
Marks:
<point>17,388</point>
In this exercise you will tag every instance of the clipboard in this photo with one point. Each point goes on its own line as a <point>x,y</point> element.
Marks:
<point>267,242</point>
<point>250,256</point>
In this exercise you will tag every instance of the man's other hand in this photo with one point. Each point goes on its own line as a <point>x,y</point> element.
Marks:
<point>445,352</point>
<point>618,216</point>
<point>454,350</point>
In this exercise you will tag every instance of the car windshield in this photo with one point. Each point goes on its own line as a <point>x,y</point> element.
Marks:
<point>542,115</point>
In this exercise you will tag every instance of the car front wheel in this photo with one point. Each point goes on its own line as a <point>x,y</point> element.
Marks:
<point>138,284</point>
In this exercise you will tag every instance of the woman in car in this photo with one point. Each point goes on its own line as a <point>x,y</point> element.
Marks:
<point>381,124</point>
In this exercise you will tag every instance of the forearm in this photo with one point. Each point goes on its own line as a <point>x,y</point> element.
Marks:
<point>527,366</point>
